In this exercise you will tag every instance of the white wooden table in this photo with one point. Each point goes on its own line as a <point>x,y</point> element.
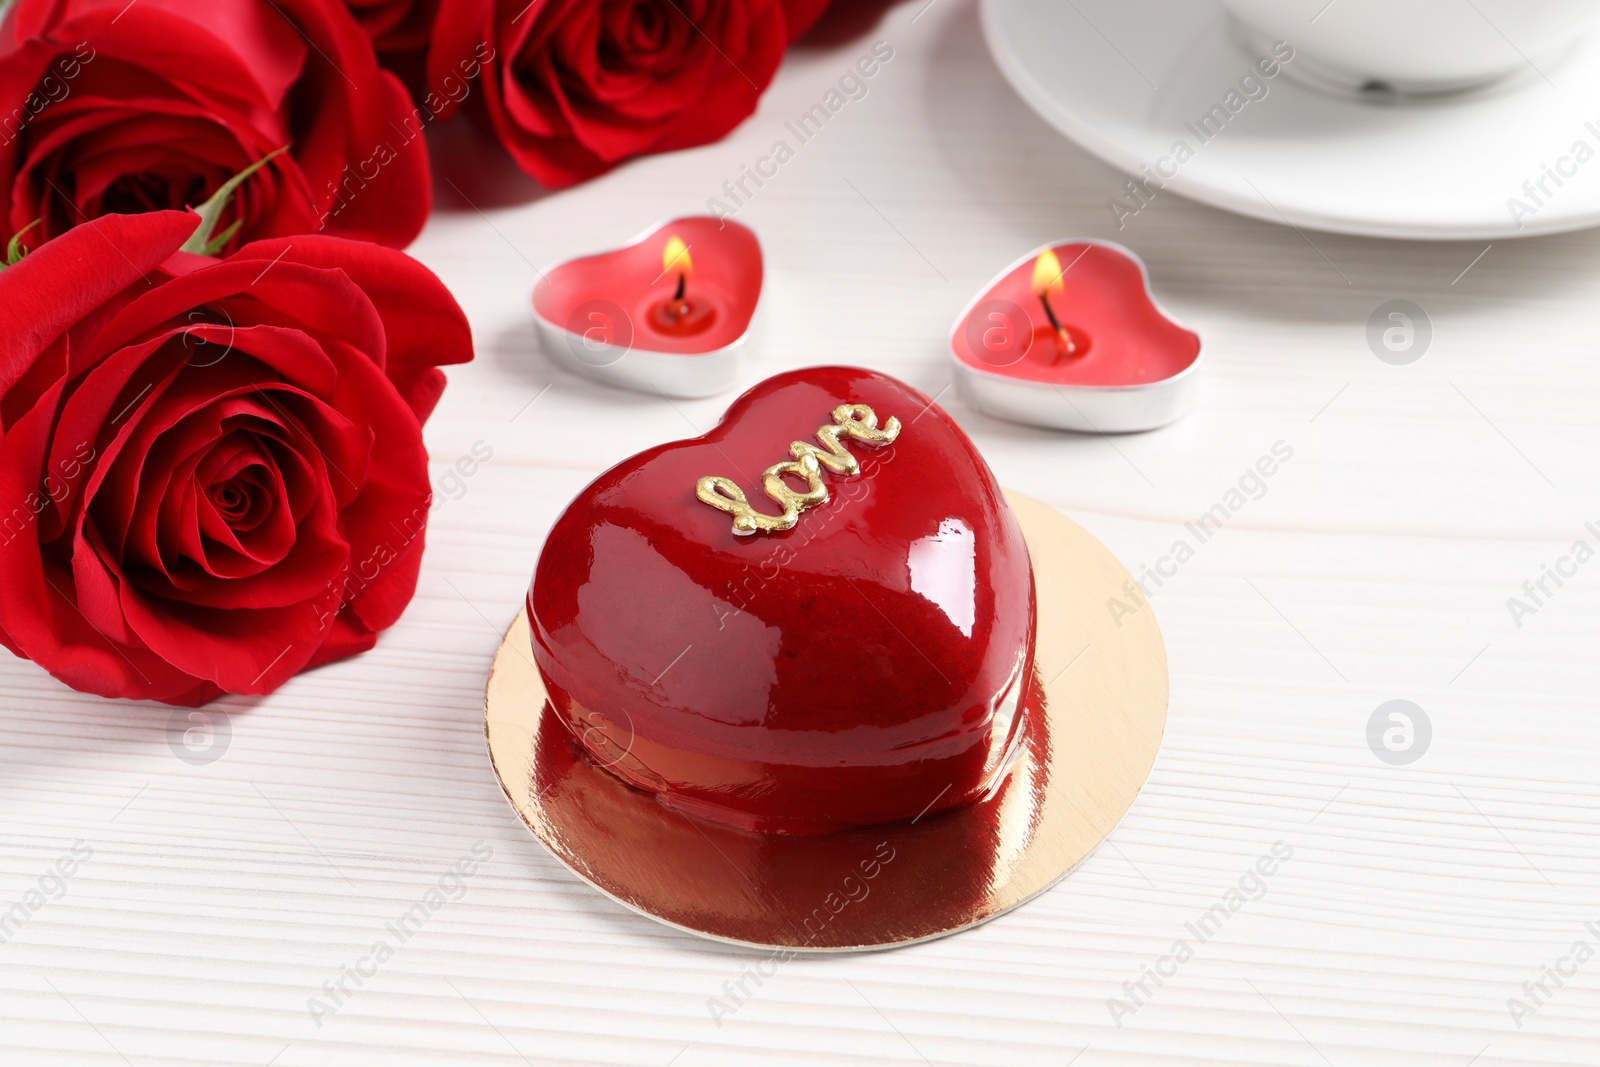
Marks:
<point>221,898</point>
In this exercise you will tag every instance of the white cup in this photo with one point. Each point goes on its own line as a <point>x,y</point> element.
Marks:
<point>1417,46</point>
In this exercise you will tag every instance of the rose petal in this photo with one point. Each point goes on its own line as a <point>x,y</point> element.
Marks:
<point>800,15</point>
<point>462,31</point>
<point>244,292</point>
<point>38,616</point>
<point>385,526</point>
<point>234,43</point>
<point>423,325</point>
<point>240,651</point>
<point>66,279</point>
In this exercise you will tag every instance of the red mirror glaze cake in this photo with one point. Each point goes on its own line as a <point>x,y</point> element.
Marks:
<point>818,615</point>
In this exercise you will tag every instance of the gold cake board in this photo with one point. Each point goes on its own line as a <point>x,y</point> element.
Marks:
<point>1097,708</point>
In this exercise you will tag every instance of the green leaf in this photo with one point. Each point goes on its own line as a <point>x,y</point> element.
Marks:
<point>15,249</point>
<point>210,212</point>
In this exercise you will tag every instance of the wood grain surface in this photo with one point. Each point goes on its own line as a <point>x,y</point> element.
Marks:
<point>214,909</point>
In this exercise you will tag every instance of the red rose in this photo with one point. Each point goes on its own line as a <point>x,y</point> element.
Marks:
<point>801,15</point>
<point>396,25</point>
<point>574,87</point>
<point>109,107</point>
<point>211,470</point>
<point>400,31</point>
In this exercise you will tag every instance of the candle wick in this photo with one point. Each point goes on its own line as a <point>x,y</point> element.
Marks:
<point>1067,346</point>
<point>683,283</point>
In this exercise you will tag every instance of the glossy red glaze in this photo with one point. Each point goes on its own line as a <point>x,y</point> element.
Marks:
<point>1105,297</point>
<point>725,285</point>
<point>863,667</point>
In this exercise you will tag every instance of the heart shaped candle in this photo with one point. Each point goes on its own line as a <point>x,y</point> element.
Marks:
<point>1070,337</point>
<point>818,615</point>
<point>668,313</point>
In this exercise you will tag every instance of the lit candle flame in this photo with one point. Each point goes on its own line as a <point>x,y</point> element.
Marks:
<point>1047,273</point>
<point>675,256</point>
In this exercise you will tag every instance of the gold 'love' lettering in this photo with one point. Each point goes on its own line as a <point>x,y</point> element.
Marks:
<point>853,420</point>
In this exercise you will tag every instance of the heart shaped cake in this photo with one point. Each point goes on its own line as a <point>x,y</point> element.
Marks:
<point>818,615</point>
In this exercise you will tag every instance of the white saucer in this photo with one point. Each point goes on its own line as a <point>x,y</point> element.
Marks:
<point>1123,77</point>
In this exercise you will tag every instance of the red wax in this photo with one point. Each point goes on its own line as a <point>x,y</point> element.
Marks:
<point>1045,347</point>
<point>682,318</point>
<point>863,667</point>
<point>1104,297</point>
